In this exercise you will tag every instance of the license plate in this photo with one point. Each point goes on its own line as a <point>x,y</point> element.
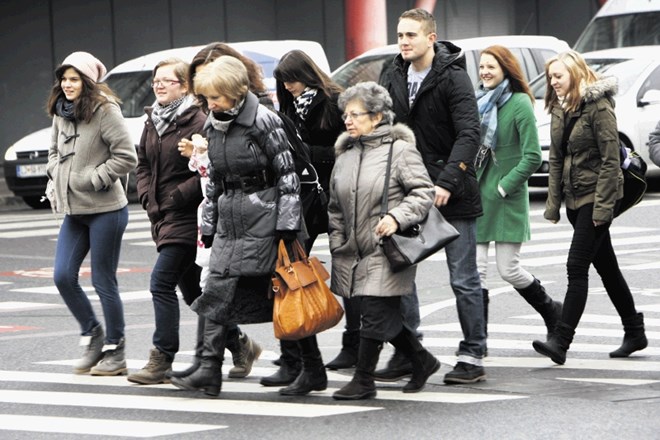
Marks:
<point>33,170</point>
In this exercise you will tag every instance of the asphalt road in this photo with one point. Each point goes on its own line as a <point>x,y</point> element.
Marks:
<point>525,396</point>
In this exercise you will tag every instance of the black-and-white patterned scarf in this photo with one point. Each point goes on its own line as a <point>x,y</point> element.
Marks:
<point>162,116</point>
<point>303,102</point>
<point>221,120</point>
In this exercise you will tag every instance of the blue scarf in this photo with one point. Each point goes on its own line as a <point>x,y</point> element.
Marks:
<point>489,101</point>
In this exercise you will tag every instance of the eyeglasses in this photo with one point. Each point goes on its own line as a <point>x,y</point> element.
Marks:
<point>164,82</point>
<point>353,115</point>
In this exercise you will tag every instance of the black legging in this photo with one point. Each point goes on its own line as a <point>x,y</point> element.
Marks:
<point>592,244</point>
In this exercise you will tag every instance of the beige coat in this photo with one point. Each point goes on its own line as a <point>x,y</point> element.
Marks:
<point>359,267</point>
<point>86,160</point>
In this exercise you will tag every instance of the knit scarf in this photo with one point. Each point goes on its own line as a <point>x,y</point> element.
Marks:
<point>163,115</point>
<point>489,101</point>
<point>303,102</point>
<point>65,109</point>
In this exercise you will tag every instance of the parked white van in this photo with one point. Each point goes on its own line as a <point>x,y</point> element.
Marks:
<point>622,23</point>
<point>25,161</point>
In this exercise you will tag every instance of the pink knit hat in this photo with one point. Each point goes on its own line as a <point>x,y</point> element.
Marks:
<point>87,64</point>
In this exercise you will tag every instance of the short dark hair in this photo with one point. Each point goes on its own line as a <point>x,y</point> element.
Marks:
<point>423,16</point>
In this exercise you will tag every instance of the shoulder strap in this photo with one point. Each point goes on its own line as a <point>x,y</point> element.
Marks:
<point>383,201</point>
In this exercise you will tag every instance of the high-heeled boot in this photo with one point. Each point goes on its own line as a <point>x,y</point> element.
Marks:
<point>557,344</point>
<point>208,377</point>
<point>550,310</point>
<point>362,386</point>
<point>199,346</point>
<point>423,362</point>
<point>312,377</point>
<point>634,337</point>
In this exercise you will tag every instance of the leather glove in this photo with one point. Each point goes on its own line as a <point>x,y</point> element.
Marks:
<point>207,240</point>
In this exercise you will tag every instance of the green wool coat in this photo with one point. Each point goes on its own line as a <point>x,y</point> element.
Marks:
<point>517,157</point>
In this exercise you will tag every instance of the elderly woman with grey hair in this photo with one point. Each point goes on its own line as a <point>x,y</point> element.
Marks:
<point>359,266</point>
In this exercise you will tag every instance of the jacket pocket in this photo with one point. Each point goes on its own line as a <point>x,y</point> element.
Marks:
<point>259,212</point>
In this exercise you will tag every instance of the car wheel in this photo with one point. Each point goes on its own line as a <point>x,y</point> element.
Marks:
<point>36,203</point>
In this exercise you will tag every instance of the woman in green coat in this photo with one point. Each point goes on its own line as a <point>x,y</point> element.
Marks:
<point>508,156</point>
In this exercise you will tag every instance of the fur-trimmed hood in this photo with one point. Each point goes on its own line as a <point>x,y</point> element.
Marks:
<point>395,132</point>
<point>604,87</point>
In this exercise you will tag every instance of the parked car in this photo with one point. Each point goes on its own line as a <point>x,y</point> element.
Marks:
<point>25,161</point>
<point>637,101</point>
<point>531,51</point>
<point>622,23</point>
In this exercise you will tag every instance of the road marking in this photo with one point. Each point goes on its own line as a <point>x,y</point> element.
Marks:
<point>600,319</point>
<point>98,427</point>
<point>532,329</point>
<point>245,387</point>
<point>572,363</point>
<point>184,402</point>
<point>618,381</point>
<point>14,328</point>
<point>20,306</point>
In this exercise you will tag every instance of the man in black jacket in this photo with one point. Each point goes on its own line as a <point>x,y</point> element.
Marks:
<point>432,93</point>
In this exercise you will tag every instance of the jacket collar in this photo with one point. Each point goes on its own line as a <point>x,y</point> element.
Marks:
<point>382,134</point>
<point>248,113</point>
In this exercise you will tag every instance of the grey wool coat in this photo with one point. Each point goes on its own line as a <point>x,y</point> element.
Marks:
<point>359,267</point>
<point>86,160</point>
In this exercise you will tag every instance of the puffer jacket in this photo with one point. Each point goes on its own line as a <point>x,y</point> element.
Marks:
<point>167,189</point>
<point>359,267</point>
<point>86,160</point>
<point>445,119</point>
<point>590,169</point>
<point>248,224</point>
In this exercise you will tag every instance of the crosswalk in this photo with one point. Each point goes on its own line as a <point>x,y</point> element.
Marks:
<point>49,384</point>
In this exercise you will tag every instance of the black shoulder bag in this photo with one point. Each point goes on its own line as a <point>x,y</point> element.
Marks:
<point>407,248</point>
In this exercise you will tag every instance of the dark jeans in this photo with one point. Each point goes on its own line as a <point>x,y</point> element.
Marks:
<point>175,266</point>
<point>101,235</point>
<point>592,245</point>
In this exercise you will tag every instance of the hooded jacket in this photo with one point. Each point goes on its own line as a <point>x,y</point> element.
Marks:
<point>445,119</point>
<point>359,266</point>
<point>86,160</point>
<point>590,169</point>
<point>167,189</point>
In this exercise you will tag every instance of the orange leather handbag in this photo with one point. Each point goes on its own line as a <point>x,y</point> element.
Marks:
<point>303,303</point>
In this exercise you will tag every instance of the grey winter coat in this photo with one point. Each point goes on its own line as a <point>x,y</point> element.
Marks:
<point>86,160</point>
<point>248,225</point>
<point>590,169</point>
<point>359,267</point>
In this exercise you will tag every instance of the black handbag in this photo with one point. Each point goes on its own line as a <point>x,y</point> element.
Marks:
<point>634,179</point>
<point>407,248</point>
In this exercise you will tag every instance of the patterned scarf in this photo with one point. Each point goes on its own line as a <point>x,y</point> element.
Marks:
<point>489,101</point>
<point>162,116</point>
<point>303,102</point>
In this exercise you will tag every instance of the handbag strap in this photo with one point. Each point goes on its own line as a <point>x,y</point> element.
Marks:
<point>283,258</point>
<point>388,169</point>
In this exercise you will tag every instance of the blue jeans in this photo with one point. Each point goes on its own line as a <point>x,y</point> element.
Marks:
<point>175,266</point>
<point>465,282</point>
<point>101,234</point>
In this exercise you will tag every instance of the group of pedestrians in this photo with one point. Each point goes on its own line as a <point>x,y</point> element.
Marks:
<point>217,178</point>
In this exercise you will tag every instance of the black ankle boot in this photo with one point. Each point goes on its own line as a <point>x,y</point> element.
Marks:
<point>362,386</point>
<point>208,377</point>
<point>290,366</point>
<point>347,357</point>
<point>634,338</point>
<point>199,346</point>
<point>313,376</point>
<point>557,344</point>
<point>424,364</point>
<point>550,310</point>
